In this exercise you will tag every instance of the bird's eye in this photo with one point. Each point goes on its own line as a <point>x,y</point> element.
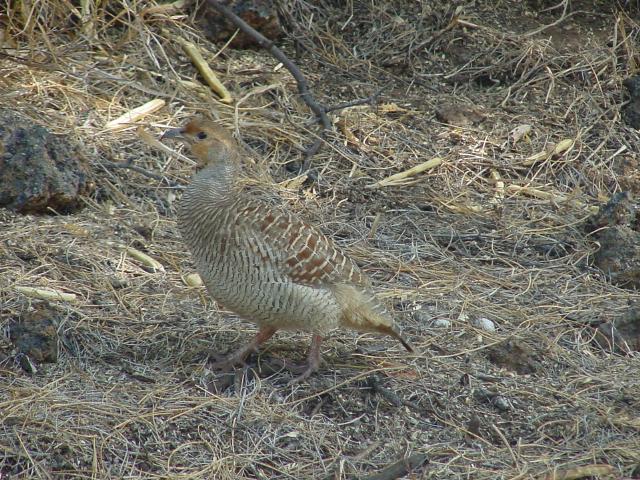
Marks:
<point>201,135</point>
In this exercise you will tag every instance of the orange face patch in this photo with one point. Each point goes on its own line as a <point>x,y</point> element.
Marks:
<point>192,128</point>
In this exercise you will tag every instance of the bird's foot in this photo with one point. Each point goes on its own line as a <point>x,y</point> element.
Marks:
<point>237,359</point>
<point>300,372</point>
<point>306,373</point>
<point>313,362</point>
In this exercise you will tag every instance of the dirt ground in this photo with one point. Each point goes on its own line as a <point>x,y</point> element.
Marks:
<point>483,258</point>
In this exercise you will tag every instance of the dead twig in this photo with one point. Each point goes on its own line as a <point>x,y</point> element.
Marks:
<point>373,382</point>
<point>142,171</point>
<point>565,6</point>
<point>400,468</point>
<point>303,87</point>
<point>371,99</point>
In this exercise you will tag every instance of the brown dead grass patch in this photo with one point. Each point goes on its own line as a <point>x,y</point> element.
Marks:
<point>127,397</point>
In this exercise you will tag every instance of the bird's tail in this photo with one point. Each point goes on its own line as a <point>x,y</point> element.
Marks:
<point>363,312</point>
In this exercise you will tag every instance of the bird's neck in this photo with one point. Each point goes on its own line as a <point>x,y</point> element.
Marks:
<point>215,183</point>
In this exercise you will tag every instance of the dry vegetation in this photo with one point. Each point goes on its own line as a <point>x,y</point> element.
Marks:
<point>128,396</point>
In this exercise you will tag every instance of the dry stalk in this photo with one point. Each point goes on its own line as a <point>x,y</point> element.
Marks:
<point>205,70</point>
<point>129,396</point>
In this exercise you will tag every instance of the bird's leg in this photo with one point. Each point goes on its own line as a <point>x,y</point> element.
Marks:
<point>239,356</point>
<point>313,360</point>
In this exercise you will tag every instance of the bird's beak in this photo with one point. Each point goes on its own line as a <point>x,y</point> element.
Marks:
<point>174,133</point>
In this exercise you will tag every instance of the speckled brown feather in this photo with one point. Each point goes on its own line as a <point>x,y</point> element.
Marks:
<point>261,261</point>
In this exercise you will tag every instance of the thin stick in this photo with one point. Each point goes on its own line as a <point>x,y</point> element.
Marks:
<point>142,171</point>
<point>370,99</point>
<point>303,87</point>
<point>563,17</point>
<point>400,468</point>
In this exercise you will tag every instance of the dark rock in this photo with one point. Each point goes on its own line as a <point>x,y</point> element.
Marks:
<point>259,14</point>
<point>627,172</point>
<point>620,210</point>
<point>514,355</point>
<point>628,326</point>
<point>38,170</point>
<point>35,335</point>
<point>633,86</point>
<point>631,111</point>
<point>615,227</point>
<point>619,256</point>
<point>623,334</point>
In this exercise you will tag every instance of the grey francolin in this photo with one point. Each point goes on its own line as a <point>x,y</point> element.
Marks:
<point>261,261</point>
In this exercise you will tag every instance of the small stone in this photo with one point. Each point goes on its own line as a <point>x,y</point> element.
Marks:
<point>26,364</point>
<point>441,323</point>
<point>193,280</point>
<point>502,403</point>
<point>493,398</point>
<point>118,281</point>
<point>485,324</point>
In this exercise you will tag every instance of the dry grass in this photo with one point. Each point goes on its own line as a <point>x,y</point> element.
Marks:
<point>128,398</point>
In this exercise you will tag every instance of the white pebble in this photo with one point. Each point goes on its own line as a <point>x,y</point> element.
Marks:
<point>485,324</point>
<point>441,323</point>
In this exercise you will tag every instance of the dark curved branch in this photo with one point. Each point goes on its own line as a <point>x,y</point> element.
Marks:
<point>303,87</point>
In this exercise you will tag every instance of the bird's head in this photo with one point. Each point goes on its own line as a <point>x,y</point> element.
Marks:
<point>209,143</point>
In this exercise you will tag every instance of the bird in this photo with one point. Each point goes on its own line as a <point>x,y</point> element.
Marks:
<point>263,262</point>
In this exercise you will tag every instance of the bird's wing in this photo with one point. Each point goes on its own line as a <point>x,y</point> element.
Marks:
<point>295,248</point>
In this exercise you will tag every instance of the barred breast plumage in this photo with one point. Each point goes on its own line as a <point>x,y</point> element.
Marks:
<point>262,262</point>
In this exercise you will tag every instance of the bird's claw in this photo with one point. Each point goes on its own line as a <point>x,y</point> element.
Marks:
<point>301,372</point>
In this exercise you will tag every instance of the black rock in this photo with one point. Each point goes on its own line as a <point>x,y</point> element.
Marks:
<point>39,172</point>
